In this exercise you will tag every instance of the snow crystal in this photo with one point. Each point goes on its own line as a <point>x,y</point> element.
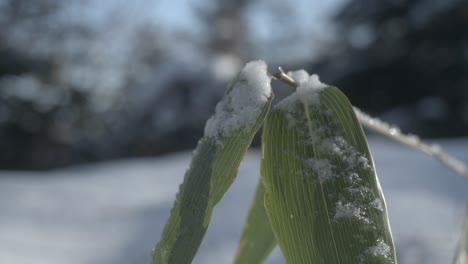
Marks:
<point>331,145</point>
<point>241,106</point>
<point>394,131</point>
<point>322,167</point>
<point>377,204</point>
<point>340,147</point>
<point>381,249</point>
<point>353,177</point>
<point>361,190</point>
<point>349,210</point>
<point>312,84</point>
<point>300,76</point>
<point>307,91</point>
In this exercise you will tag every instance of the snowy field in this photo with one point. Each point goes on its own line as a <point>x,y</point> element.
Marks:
<point>115,212</point>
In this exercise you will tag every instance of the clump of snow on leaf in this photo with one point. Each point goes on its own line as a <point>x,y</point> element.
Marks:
<point>349,210</point>
<point>339,146</point>
<point>312,85</point>
<point>381,249</point>
<point>322,167</point>
<point>300,76</point>
<point>240,107</point>
<point>377,204</point>
<point>307,91</point>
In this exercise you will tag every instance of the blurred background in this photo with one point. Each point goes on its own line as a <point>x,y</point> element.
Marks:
<point>123,89</point>
<point>86,80</point>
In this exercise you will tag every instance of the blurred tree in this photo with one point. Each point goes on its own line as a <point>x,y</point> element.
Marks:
<point>74,89</point>
<point>62,82</point>
<point>405,59</point>
<point>28,96</point>
<point>224,32</point>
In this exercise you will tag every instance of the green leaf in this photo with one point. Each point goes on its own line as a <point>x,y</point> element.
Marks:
<point>461,255</point>
<point>257,240</point>
<point>322,194</point>
<point>215,163</point>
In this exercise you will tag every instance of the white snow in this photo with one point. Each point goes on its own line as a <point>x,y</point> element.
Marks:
<point>300,76</point>
<point>340,147</point>
<point>240,107</point>
<point>307,91</point>
<point>413,141</point>
<point>313,84</point>
<point>322,167</point>
<point>114,213</point>
<point>337,147</point>
<point>377,204</point>
<point>375,121</point>
<point>381,249</point>
<point>349,210</point>
<point>361,190</point>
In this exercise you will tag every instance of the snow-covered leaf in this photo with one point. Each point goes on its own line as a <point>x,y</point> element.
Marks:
<point>215,163</point>
<point>322,193</point>
<point>461,255</point>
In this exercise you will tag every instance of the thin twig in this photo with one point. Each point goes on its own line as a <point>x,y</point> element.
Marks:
<point>394,133</point>
<point>413,141</point>
<point>282,76</point>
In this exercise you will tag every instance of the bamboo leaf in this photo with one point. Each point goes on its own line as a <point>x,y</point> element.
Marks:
<point>322,193</point>
<point>257,240</point>
<point>215,163</point>
<point>461,255</point>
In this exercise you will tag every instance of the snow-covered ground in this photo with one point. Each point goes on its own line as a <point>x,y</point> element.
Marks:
<point>115,212</point>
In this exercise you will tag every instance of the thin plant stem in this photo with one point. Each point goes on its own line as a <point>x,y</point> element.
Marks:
<point>410,140</point>
<point>282,76</point>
